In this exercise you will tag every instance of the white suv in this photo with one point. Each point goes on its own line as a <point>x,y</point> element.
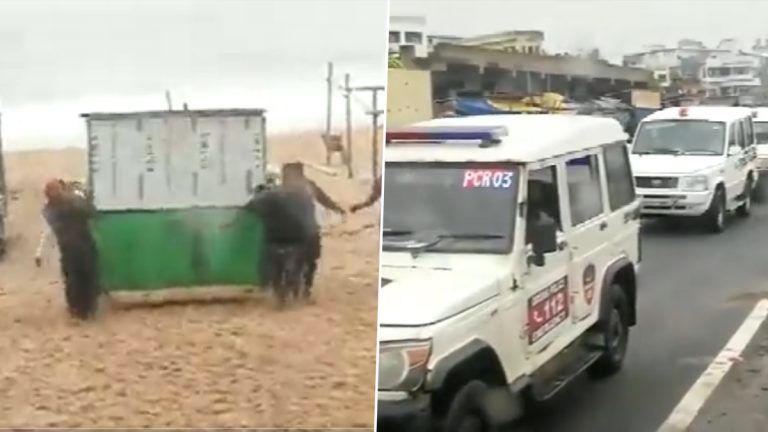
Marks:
<point>509,260</point>
<point>760,122</point>
<point>696,162</point>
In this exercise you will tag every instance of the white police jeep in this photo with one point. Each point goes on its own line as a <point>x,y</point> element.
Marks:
<point>509,260</point>
<point>696,162</point>
<point>760,123</point>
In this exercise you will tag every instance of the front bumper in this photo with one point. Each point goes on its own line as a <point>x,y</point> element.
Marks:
<point>410,414</point>
<point>663,202</point>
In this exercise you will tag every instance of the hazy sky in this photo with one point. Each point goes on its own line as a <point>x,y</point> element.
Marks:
<point>53,48</point>
<point>59,58</point>
<point>615,26</point>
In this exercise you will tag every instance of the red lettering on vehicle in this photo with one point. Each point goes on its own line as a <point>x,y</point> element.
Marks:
<point>547,309</point>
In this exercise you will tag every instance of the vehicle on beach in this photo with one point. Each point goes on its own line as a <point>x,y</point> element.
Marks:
<point>696,162</point>
<point>509,259</point>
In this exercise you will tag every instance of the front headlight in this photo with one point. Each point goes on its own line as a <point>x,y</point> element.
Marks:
<point>694,183</point>
<point>403,366</point>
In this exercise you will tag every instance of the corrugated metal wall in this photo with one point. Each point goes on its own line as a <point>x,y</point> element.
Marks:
<point>176,161</point>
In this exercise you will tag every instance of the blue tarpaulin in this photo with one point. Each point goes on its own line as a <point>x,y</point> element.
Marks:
<point>475,106</point>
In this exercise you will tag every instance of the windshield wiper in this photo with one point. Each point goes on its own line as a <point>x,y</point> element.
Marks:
<point>471,236</point>
<point>660,151</point>
<point>702,152</point>
<point>392,232</point>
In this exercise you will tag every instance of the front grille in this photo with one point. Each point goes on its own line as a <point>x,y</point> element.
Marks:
<point>656,182</point>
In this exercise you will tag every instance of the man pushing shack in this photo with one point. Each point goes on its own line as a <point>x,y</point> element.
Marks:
<point>291,231</point>
<point>68,213</point>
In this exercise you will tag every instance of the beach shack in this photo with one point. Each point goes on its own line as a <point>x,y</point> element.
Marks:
<point>164,184</point>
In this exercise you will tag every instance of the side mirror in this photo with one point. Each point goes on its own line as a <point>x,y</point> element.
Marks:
<point>543,236</point>
<point>734,150</point>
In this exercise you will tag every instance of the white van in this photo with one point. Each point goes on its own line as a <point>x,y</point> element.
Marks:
<point>696,162</point>
<point>509,259</point>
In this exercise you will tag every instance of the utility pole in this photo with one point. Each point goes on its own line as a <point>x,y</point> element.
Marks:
<point>330,99</point>
<point>348,99</point>
<point>375,113</point>
<point>168,100</point>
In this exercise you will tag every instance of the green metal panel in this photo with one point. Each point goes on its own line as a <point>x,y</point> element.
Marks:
<point>154,250</point>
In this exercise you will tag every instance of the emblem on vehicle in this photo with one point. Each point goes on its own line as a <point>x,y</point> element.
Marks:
<point>656,182</point>
<point>588,281</point>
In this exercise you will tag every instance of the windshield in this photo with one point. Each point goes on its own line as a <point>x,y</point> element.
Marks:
<point>695,137</point>
<point>761,132</point>
<point>454,207</point>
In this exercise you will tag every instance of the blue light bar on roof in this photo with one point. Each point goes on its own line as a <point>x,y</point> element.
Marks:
<point>483,134</point>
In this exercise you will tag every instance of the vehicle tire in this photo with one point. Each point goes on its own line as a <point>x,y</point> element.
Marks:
<point>714,218</point>
<point>745,209</point>
<point>758,193</point>
<point>466,413</point>
<point>615,334</point>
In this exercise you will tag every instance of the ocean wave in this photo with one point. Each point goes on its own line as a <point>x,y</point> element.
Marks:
<point>296,105</point>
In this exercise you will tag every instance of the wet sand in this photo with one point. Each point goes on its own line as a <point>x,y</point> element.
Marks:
<point>240,364</point>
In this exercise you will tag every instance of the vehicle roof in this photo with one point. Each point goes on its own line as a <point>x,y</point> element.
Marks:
<point>530,137</point>
<point>710,113</point>
<point>762,114</point>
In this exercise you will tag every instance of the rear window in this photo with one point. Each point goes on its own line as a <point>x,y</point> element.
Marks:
<point>761,132</point>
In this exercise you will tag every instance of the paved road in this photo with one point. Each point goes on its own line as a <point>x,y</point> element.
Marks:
<point>696,289</point>
<point>739,403</point>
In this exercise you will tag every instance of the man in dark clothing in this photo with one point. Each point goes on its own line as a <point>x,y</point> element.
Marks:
<point>372,198</point>
<point>68,214</point>
<point>291,230</point>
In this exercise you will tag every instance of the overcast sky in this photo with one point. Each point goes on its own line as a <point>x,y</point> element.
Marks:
<point>59,58</point>
<point>615,26</point>
<point>59,48</point>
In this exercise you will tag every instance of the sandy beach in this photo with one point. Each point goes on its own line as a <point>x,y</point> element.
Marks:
<point>239,364</point>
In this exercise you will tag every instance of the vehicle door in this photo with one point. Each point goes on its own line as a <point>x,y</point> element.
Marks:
<point>623,217</point>
<point>736,161</point>
<point>545,285</point>
<point>588,230</point>
<point>750,148</point>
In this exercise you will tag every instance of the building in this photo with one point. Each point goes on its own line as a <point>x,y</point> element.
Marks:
<point>433,40</point>
<point>460,70</point>
<point>733,74</point>
<point>517,41</point>
<point>408,31</point>
<point>411,31</point>
<point>672,64</point>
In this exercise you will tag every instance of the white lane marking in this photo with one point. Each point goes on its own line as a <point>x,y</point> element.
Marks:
<point>684,413</point>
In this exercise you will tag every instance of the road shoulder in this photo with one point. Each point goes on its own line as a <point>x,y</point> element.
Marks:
<point>739,402</point>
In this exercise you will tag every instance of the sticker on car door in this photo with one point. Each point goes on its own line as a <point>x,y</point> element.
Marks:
<point>588,282</point>
<point>547,309</point>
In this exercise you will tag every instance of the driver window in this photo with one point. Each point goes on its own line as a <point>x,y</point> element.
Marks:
<point>732,136</point>
<point>543,199</point>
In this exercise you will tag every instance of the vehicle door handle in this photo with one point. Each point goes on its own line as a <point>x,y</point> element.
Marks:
<point>603,225</point>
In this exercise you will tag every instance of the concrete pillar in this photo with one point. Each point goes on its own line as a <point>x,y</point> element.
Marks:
<point>528,82</point>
